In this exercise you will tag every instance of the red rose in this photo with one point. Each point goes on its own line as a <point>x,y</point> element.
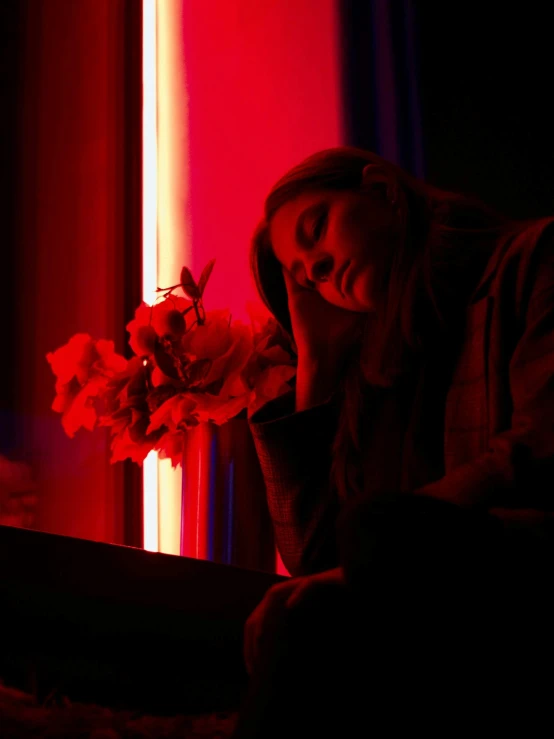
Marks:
<point>163,319</point>
<point>83,368</point>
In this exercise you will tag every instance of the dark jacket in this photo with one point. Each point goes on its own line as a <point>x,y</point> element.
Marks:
<point>496,419</point>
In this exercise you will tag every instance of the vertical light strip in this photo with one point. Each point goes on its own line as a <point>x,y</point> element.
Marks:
<point>174,242</point>
<point>149,236</point>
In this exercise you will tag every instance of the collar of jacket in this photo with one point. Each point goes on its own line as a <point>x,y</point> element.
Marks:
<point>512,230</point>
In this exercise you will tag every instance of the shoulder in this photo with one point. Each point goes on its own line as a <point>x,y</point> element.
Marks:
<point>522,262</point>
<point>524,243</point>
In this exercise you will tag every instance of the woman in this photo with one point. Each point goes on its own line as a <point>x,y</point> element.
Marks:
<point>419,435</point>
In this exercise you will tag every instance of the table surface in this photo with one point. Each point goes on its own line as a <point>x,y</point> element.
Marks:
<point>125,623</point>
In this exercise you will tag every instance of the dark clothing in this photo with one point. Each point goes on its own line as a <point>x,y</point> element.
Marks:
<point>441,629</point>
<point>445,620</point>
<point>495,418</point>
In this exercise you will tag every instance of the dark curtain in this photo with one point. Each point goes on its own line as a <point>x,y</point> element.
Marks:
<point>458,93</point>
<point>486,90</point>
<point>379,59</point>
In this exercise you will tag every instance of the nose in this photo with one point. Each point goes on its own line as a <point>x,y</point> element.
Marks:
<point>321,269</point>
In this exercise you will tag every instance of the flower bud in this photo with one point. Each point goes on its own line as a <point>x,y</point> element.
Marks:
<point>173,324</point>
<point>146,339</point>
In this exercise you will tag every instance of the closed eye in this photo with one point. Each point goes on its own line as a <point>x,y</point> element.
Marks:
<point>316,235</point>
<point>319,224</point>
<point>306,242</point>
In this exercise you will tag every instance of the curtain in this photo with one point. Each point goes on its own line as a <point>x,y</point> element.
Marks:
<point>380,80</point>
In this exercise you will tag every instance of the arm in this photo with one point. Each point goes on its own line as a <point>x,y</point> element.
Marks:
<point>294,452</point>
<point>519,464</point>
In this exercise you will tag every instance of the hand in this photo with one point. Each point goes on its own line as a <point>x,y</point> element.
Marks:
<point>322,331</point>
<point>277,601</point>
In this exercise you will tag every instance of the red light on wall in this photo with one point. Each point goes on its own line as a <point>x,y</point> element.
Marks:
<point>224,126</point>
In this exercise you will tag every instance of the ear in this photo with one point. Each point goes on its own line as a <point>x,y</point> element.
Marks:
<point>376,178</point>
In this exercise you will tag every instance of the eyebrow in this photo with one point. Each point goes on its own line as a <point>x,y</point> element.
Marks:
<point>303,241</point>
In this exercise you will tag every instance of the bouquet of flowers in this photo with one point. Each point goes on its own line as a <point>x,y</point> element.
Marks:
<point>190,367</point>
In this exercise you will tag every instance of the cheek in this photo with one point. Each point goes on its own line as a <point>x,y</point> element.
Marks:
<point>367,232</point>
<point>356,240</point>
<point>344,232</point>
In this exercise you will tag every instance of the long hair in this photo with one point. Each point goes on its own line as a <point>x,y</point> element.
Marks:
<point>415,299</point>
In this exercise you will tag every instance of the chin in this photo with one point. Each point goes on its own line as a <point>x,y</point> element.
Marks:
<point>357,307</point>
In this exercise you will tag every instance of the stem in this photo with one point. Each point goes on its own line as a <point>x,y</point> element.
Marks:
<point>161,289</point>
<point>198,319</point>
<point>191,327</point>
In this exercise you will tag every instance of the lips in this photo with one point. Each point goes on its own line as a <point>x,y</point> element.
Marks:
<point>339,276</point>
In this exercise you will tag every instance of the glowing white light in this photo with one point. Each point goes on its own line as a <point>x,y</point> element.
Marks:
<point>173,216</point>
<point>149,236</point>
<point>150,501</point>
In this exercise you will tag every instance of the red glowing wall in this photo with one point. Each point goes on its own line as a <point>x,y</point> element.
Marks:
<point>255,88</point>
<point>261,91</point>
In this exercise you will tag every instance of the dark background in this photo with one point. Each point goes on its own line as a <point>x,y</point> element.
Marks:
<point>473,94</point>
<point>486,90</point>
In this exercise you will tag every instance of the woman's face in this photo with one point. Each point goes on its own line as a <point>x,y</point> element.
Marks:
<point>333,242</point>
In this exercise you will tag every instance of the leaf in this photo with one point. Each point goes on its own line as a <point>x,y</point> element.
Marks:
<point>198,371</point>
<point>137,430</point>
<point>205,276</point>
<point>159,395</point>
<point>166,363</point>
<point>190,288</point>
<point>137,384</point>
<point>214,388</point>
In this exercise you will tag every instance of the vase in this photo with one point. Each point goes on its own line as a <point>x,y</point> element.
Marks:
<point>224,512</point>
